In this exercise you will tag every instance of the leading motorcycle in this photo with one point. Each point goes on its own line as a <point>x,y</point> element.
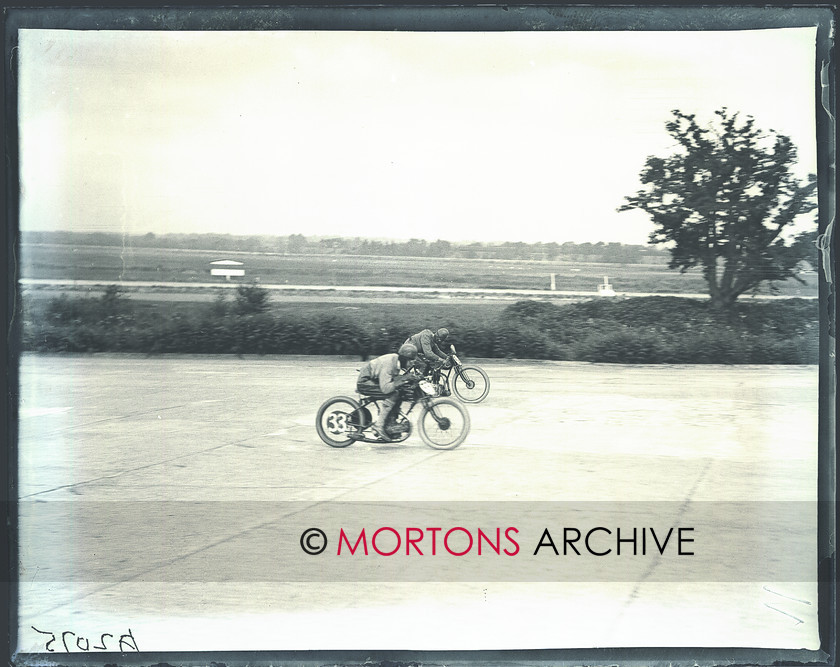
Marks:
<point>469,383</point>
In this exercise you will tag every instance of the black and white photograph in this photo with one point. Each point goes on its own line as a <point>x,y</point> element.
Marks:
<point>478,329</point>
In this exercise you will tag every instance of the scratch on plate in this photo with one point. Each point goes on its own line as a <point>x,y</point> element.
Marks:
<point>798,620</point>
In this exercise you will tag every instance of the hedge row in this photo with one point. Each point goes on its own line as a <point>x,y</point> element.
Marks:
<point>641,330</point>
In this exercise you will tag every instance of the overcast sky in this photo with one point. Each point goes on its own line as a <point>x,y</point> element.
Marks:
<point>522,136</point>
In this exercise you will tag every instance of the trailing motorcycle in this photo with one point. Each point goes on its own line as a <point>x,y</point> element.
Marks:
<point>469,383</point>
<point>442,422</point>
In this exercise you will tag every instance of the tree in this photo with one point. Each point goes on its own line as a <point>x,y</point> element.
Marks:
<point>805,247</point>
<point>297,243</point>
<point>112,299</point>
<point>439,248</point>
<point>251,299</point>
<point>723,201</point>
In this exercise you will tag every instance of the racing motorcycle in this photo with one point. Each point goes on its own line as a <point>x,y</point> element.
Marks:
<point>442,422</point>
<point>469,383</point>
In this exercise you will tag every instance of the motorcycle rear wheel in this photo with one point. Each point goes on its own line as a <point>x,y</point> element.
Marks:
<point>471,384</point>
<point>444,424</point>
<point>335,420</point>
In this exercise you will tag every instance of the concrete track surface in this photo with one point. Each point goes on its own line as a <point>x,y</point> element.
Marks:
<point>109,440</point>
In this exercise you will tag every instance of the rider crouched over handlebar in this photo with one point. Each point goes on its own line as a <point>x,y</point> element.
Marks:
<point>429,353</point>
<point>382,377</point>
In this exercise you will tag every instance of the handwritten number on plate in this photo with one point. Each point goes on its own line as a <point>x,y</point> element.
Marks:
<point>129,641</point>
<point>52,638</point>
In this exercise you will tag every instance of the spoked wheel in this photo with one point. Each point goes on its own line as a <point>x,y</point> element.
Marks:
<point>471,385</point>
<point>336,420</point>
<point>444,424</point>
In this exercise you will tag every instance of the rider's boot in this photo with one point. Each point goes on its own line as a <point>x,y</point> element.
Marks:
<point>379,425</point>
<point>379,430</point>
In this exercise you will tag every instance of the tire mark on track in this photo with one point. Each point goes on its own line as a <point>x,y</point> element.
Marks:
<point>129,471</point>
<point>634,594</point>
<point>259,526</point>
<point>129,415</point>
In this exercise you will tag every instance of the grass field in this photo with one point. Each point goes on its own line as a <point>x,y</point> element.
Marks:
<point>115,264</point>
<point>366,314</point>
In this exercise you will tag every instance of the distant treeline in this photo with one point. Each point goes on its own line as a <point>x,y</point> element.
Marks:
<point>298,244</point>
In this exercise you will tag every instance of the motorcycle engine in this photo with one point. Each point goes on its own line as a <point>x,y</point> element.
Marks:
<point>396,429</point>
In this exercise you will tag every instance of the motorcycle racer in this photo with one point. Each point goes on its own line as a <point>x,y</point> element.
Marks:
<point>428,347</point>
<point>383,375</point>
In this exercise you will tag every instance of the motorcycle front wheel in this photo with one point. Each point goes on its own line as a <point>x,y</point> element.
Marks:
<point>444,424</point>
<point>336,419</point>
<point>471,384</point>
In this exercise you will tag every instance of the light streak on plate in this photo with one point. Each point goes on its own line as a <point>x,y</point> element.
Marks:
<point>41,412</point>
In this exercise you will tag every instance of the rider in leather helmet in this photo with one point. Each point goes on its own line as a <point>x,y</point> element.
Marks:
<point>428,347</point>
<point>383,376</point>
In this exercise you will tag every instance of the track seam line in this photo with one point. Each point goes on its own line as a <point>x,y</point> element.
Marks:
<point>114,419</point>
<point>230,537</point>
<point>657,558</point>
<point>137,469</point>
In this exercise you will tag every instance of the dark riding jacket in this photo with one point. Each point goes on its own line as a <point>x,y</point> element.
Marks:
<point>426,346</point>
